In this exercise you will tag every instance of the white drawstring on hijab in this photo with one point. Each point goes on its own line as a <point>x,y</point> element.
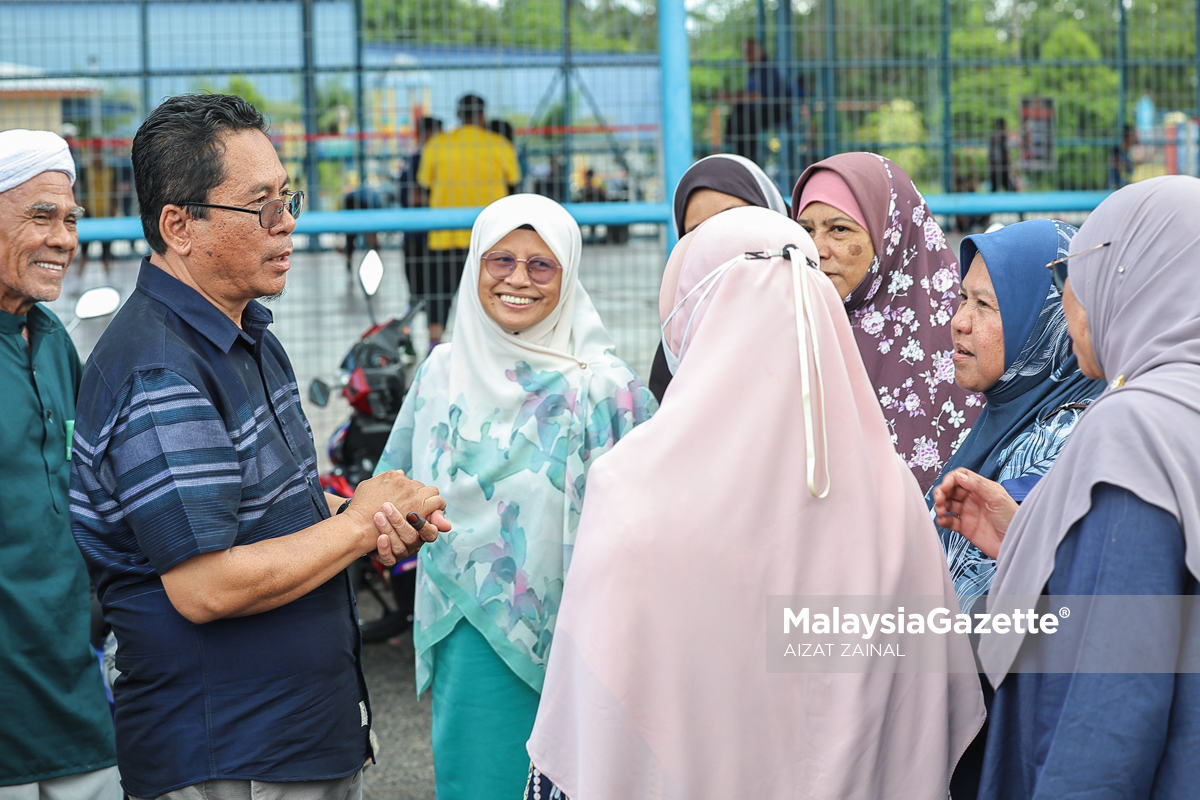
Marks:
<point>806,336</point>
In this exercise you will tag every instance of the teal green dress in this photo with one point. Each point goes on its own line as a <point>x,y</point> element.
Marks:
<point>55,719</point>
<point>488,592</point>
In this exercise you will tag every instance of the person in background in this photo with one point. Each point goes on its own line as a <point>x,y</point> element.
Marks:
<point>506,421</point>
<point>504,128</point>
<point>593,191</point>
<point>765,103</point>
<point>658,684</point>
<point>98,178</point>
<point>999,164</point>
<point>1011,344</point>
<point>467,167</point>
<point>1104,710</point>
<point>217,558</point>
<point>56,731</point>
<point>898,279</point>
<point>713,184</point>
<point>1120,162</point>
<point>417,266</point>
<point>361,198</point>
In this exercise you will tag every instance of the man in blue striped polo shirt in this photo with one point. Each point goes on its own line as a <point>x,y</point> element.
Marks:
<point>194,493</point>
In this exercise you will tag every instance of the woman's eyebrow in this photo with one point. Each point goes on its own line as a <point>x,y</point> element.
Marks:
<point>830,221</point>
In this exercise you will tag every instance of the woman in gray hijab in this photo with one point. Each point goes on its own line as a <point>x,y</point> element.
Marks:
<point>1118,514</point>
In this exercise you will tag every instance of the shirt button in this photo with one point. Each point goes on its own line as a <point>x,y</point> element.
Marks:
<point>49,416</point>
<point>583,365</point>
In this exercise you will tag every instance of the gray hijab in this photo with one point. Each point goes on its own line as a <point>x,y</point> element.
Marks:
<point>1143,436</point>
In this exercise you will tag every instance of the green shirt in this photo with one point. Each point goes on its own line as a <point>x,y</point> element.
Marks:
<point>54,716</point>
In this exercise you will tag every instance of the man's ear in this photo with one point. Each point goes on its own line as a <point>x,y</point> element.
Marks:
<point>173,227</point>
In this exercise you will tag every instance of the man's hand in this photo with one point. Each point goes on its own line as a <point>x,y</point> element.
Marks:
<point>388,497</point>
<point>977,508</point>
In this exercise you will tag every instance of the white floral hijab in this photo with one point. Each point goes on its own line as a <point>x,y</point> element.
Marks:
<point>901,313</point>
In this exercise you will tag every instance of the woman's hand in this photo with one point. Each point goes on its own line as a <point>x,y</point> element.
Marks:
<point>977,508</point>
<point>398,539</point>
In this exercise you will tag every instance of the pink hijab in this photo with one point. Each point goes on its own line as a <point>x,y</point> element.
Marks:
<point>656,684</point>
<point>901,311</point>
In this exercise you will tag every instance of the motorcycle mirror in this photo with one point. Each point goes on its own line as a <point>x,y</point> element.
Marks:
<point>98,302</point>
<point>318,393</point>
<point>370,273</point>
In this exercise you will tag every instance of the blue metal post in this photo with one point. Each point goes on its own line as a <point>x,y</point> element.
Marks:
<point>565,177</point>
<point>360,113</point>
<point>785,57</point>
<point>829,81</point>
<point>675,77</point>
<point>947,120</point>
<point>312,175</point>
<point>145,30</point>
<point>1122,59</point>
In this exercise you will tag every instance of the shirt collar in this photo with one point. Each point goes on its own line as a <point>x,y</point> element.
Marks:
<point>37,319</point>
<point>192,307</point>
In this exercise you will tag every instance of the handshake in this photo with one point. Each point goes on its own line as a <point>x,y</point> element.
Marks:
<point>397,534</point>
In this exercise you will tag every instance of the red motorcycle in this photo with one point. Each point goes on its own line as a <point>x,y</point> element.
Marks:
<point>374,377</point>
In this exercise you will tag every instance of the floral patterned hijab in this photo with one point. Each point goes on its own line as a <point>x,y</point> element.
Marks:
<point>901,311</point>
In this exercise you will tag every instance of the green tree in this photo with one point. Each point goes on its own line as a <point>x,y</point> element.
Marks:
<point>899,124</point>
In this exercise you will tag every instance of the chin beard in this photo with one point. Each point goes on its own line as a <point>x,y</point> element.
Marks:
<point>271,298</point>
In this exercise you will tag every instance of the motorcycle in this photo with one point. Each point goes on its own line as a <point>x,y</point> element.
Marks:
<point>374,377</point>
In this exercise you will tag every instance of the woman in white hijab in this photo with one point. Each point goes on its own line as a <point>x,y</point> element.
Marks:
<point>505,421</point>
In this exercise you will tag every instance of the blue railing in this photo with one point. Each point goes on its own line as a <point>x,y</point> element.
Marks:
<point>423,219</point>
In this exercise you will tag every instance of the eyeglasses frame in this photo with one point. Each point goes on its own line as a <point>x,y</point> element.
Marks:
<point>1059,276</point>
<point>484,259</point>
<point>287,205</point>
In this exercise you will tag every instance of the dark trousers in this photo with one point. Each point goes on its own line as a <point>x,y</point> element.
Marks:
<point>433,276</point>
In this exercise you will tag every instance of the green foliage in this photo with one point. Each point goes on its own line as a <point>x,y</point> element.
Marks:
<point>899,122</point>
<point>1085,97</point>
<point>242,87</point>
<point>596,25</point>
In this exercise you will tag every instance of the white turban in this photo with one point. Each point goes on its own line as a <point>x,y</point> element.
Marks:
<point>25,154</point>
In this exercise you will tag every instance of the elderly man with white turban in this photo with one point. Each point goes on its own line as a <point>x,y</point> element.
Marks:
<point>56,731</point>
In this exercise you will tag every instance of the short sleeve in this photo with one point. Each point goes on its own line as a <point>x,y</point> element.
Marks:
<point>174,470</point>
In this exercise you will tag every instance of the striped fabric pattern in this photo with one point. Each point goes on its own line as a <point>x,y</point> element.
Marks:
<point>194,457</point>
<point>190,439</point>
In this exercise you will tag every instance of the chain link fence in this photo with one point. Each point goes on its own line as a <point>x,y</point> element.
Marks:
<point>966,95</point>
<point>981,98</point>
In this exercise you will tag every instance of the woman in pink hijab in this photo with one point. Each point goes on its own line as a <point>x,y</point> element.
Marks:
<point>898,279</point>
<point>657,685</point>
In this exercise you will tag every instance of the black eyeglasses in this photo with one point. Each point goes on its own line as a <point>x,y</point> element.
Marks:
<point>270,213</point>
<point>1058,267</point>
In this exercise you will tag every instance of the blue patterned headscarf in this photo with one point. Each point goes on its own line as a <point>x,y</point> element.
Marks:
<point>1041,376</point>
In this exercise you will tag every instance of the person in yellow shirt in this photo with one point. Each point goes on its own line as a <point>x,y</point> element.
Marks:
<point>469,166</point>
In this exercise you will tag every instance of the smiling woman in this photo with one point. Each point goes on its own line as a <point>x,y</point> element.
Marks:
<point>506,421</point>
<point>520,282</point>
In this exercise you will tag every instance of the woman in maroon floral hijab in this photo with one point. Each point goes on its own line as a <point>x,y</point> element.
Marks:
<point>888,258</point>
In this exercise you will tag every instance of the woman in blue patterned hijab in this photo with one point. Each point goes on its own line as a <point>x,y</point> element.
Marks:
<point>1011,343</point>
